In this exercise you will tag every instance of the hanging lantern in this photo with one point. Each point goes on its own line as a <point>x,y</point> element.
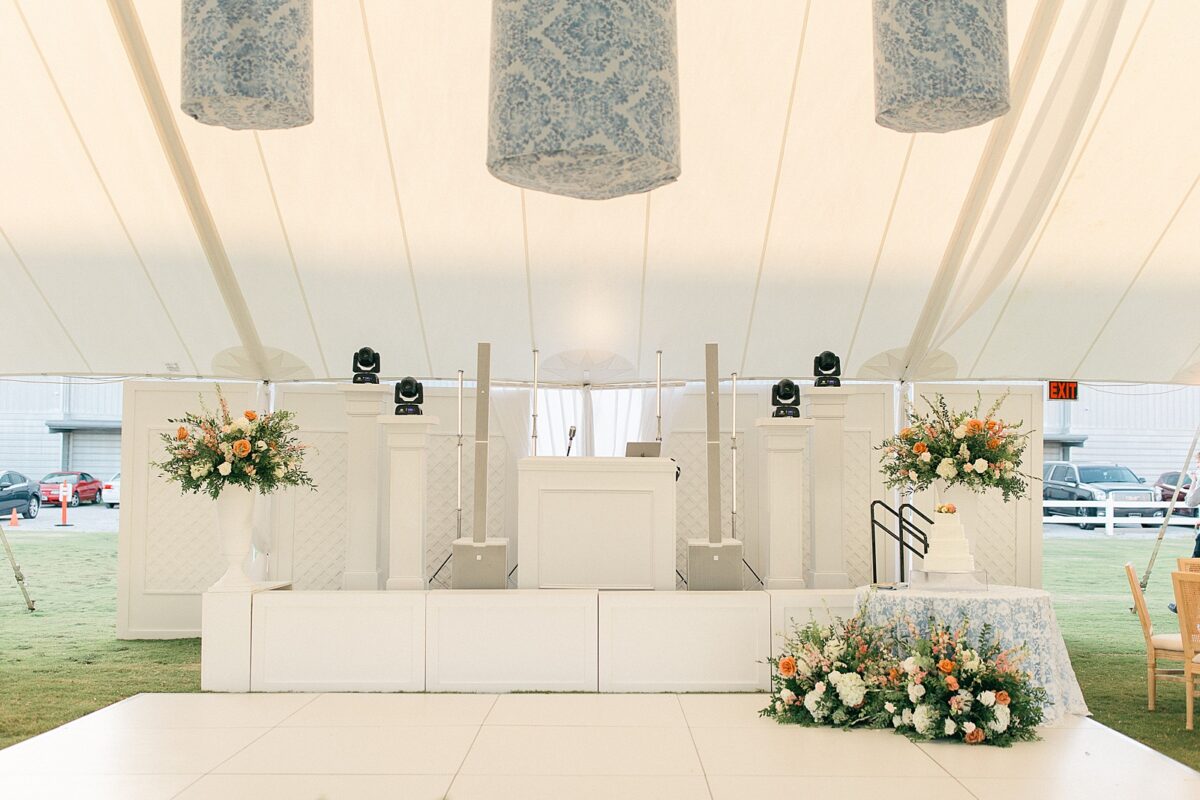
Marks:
<point>248,64</point>
<point>940,65</point>
<point>584,96</point>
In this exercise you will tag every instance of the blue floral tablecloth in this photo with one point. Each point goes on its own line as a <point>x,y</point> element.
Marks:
<point>1017,615</point>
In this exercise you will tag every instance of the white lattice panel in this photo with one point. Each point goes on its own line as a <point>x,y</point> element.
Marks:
<point>440,522</point>
<point>183,554</point>
<point>857,476</point>
<point>689,449</point>
<point>319,529</point>
<point>992,523</point>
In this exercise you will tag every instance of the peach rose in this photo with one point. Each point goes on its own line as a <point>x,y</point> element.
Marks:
<point>181,434</point>
<point>974,426</point>
<point>975,736</point>
<point>1002,698</point>
<point>920,447</point>
<point>787,666</point>
<point>993,425</point>
<point>993,443</point>
<point>250,415</point>
<point>906,433</point>
<point>952,683</point>
<point>241,448</point>
<point>946,666</point>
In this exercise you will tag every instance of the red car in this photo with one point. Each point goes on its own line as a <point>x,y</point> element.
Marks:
<point>1166,487</point>
<point>84,488</point>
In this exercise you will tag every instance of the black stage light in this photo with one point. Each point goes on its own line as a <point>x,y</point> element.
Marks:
<point>366,366</point>
<point>410,394</point>
<point>826,369</point>
<point>785,396</point>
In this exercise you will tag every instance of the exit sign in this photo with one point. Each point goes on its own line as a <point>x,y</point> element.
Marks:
<point>1064,390</point>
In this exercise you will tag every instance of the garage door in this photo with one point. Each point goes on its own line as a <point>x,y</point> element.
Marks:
<point>97,452</point>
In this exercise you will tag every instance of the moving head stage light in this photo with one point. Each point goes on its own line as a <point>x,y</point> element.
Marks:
<point>366,366</point>
<point>826,369</point>
<point>410,394</point>
<point>785,396</point>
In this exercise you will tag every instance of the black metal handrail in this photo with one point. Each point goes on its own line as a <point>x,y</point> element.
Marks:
<point>905,527</point>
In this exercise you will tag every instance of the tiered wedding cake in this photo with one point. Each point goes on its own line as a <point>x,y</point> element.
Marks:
<point>948,547</point>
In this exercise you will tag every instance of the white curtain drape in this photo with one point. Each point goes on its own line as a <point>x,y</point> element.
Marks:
<point>1040,165</point>
<point>513,409</point>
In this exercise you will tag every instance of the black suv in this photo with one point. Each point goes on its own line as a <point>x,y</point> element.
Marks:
<point>1062,480</point>
<point>17,491</point>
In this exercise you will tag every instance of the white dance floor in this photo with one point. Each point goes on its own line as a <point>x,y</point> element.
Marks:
<point>665,747</point>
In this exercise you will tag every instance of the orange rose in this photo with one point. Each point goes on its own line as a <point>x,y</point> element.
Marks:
<point>920,447</point>
<point>993,425</point>
<point>250,415</point>
<point>975,736</point>
<point>241,448</point>
<point>906,433</point>
<point>974,426</point>
<point>952,683</point>
<point>181,434</point>
<point>946,666</point>
<point>1002,698</point>
<point>787,666</point>
<point>894,675</point>
<point>993,443</point>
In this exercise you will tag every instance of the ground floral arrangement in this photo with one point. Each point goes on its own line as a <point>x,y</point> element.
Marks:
<point>256,451</point>
<point>974,449</point>
<point>927,686</point>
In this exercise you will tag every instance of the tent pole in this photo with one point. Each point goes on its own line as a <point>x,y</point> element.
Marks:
<point>1162,531</point>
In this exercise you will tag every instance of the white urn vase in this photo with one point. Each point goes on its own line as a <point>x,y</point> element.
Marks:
<point>949,550</point>
<point>235,521</point>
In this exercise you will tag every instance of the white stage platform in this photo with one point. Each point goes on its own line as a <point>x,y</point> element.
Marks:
<point>501,641</point>
<point>531,747</point>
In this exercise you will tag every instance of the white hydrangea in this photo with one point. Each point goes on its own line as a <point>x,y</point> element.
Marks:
<point>946,469</point>
<point>200,470</point>
<point>851,688</point>
<point>923,718</point>
<point>814,702</point>
<point>906,717</point>
<point>1000,723</point>
<point>950,727</point>
<point>987,698</point>
<point>915,692</point>
<point>225,468</point>
<point>897,721</point>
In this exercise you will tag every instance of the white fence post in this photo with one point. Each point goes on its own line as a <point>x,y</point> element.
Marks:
<point>1110,512</point>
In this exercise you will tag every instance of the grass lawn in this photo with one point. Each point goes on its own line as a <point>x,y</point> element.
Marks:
<point>64,660</point>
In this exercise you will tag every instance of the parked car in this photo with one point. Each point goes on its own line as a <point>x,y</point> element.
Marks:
<point>17,491</point>
<point>84,488</point>
<point>1166,484</point>
<point>1062,480</point>
<point>111,493</point>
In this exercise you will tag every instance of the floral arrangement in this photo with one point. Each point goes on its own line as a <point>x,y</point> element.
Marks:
<point>209,451</point>
<point>925,686</point>
<point>945,508</point>
<point>972,449</point>
<point>952,691</point>
<point>832,674</point>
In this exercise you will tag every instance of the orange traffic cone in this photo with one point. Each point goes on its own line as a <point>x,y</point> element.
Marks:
<point>12,521</point>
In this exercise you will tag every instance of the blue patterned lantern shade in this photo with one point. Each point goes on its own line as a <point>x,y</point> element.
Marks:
<point>940,65</point>
<point>248,64</point>
<point>584,96</point>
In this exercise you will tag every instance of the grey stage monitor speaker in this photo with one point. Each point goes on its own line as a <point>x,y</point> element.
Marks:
<point>480,562</point>
<point>714,563</point>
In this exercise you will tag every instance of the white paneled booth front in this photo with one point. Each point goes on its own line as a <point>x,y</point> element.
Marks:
<point>352,580</point>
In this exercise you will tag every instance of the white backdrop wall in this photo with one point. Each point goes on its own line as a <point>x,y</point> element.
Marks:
<point>168,551</point>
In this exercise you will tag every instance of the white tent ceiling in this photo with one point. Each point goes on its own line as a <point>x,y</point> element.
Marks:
<point>1058,242</point>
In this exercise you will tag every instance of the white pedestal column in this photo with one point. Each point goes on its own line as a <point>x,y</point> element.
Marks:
<point>364,404</point>
<point>225,635</point>
<point>408,444</point>
<point>785,461</point>
<point>827,409</point>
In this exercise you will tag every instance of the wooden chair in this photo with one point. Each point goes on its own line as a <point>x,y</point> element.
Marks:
<point>1164,646</point>
<point>1187,599</point>
<point>1188,564</point>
